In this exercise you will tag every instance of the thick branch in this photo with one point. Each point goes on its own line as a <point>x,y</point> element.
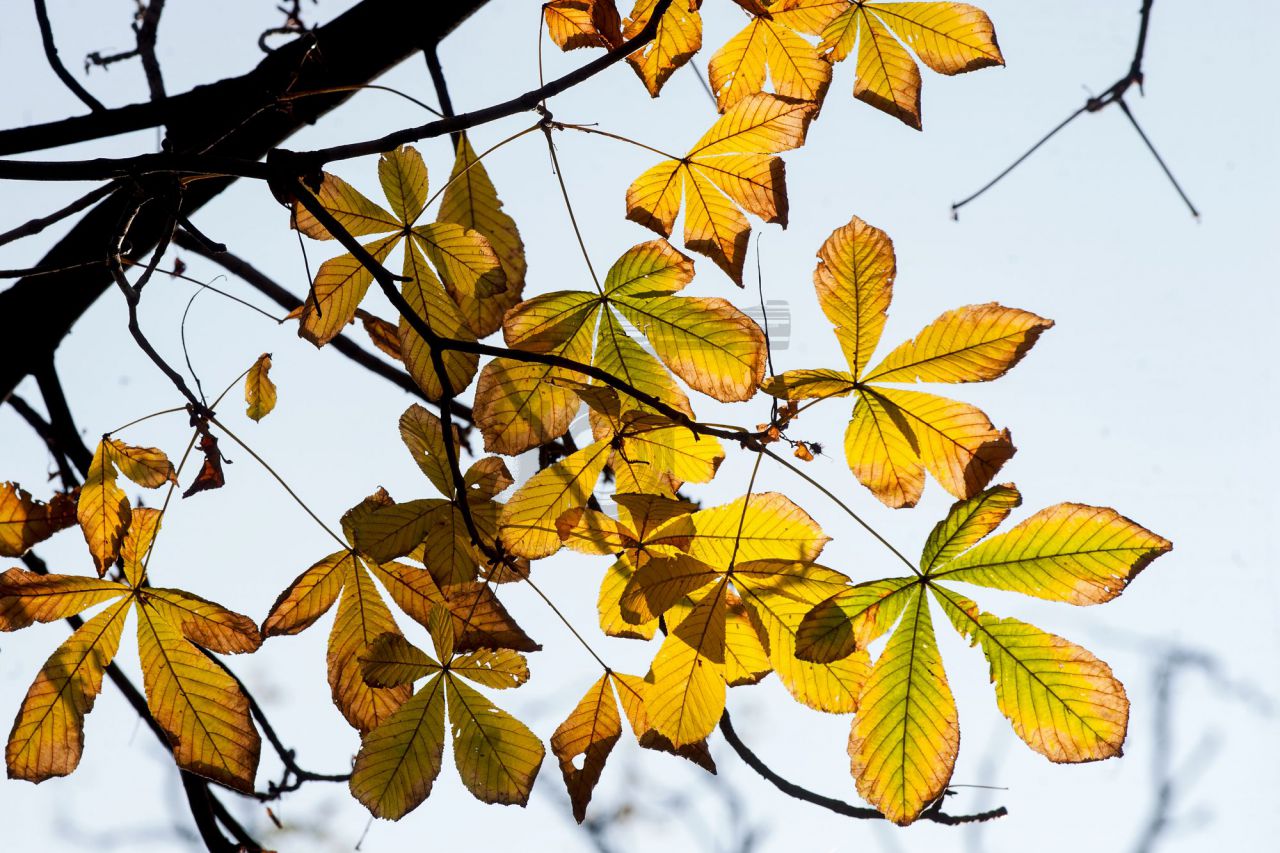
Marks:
<point>236,120</point>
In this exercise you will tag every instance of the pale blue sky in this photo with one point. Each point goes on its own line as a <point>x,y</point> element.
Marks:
<point>1155,394</point>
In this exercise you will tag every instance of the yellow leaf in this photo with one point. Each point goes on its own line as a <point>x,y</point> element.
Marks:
<point>955,441</point>
<point>48,735</point>
<point>832,687</point>
<point>399,760</point>
<point>470,200</point>
<point>528,524</point>
<point>905,738</point>
<point>259,390</point>
<point>1067,552</point>
<point>497,756</point>
<point>357,214</point>
<point>197,703</point>
<point>1061,700</point>
<point>882,451</point>
<point>394,531</point>
<point>707,342</point>
<point>760,526</point>
<point>146,466</point>
<point>403,176</point>
<point>103,509</point>
<point>854,280</point>
<point>545,322</point>
<point>583,23</point>
<point>746,660</point>
<point>138,542</point>
<point>631,693</point>
<point>951,38</point>
<point>660,582</point>
<point>383,334</point>
<point>466,263</point>
<point>519,406</point>
<point>678,38</point>
<point>26,597</point>
<point>309,597</point>
<point>427,299</point>
<point>809,384</point>
<point>590,531</point>
<point>730,167</point>
<point>970,344</point>
<point>25,521</point>
<point>796,70</point>
<point>591,730</point>
<point>687,695</point>
<point>337,291</point>
<point>609,605</point>
<point>205,623</point>
<point>650,454</point>
<point>362,618</point>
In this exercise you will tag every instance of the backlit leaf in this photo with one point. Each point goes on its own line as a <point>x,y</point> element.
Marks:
<point>25,522</point>
<point>26,597</point>
<point>399,760</point>
<point>678,38</point>
<point>48,735</point>
<point>905,738</point>
<point>103,509</point>
<point>497,756</point>
<point>591,730</point>
<point>259,390</point>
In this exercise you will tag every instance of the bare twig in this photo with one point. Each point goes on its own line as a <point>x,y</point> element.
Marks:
<point>55,62</point>
<point>1113,95</point>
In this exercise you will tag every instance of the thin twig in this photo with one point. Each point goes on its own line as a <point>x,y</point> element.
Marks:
<point>55,62</point>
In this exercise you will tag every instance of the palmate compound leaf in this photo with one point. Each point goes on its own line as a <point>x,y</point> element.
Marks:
<point>25,522</point>
<point>433,530</point>
<point>895,435</point>
<point>646,453</point>
<point>259,390</point>
<point>730,169</point>
<point>950,38</point>
<point>199,706</point>
<point>464,270</point>
<point>480,621</point>
<point>103,508</point>
<point>707,342</point>
<point>767,48</point>
<point>733,583</point>
<point>496,755</point>
<point>1061,700</point>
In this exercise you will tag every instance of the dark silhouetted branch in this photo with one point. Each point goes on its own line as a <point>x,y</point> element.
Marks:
<point>934,813</point>
<point>1113,95</point>
<point>55,62</point>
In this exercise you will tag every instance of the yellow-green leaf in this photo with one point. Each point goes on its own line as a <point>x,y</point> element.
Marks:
<point>362,618</point>
<point>392,661</point>
<point>357,214</point>
<point>309,596</point>
<point>1061,700</point>
<point>399,760</point>
<point>403,176</point>
<point>340,285</point>
<point>497,756</point>
<point>1067,552</point>
<point>966,523</point>
<point>851,619</point>
<point>905,738</point>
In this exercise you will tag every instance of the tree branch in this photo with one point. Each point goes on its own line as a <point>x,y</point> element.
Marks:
<point>55,62</point>
<point>791,789</point>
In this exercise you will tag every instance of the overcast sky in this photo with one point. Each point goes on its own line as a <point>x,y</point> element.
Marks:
<point>1155,394</point>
